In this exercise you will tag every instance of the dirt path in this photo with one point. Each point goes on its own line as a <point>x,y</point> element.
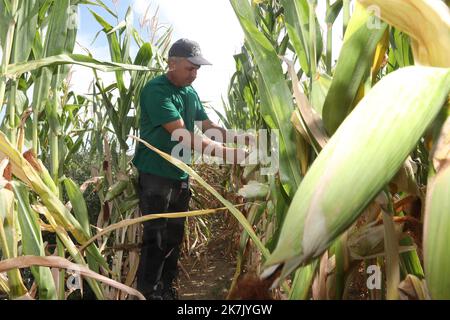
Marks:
<point>208,276</point>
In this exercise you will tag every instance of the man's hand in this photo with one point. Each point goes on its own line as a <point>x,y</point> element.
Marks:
<point>226,136</point>
<point>231,155</point>
<point>247,139</point>
<point>234,155</point>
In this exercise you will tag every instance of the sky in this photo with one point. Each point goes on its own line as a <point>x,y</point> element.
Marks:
<point>212,23</point>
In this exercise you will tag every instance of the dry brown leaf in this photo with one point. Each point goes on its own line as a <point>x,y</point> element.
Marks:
<point>58,262</point>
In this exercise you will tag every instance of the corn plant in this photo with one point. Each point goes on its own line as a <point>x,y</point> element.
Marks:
<point>363,177</point>
<point>335,107</point>
<point>37,40</point>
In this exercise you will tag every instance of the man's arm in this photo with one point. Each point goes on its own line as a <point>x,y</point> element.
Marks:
<point>207,128</point>
<point>217,149</point>
<point>225,136</point>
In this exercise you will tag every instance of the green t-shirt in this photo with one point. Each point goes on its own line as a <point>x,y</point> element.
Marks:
<point>162,102</point>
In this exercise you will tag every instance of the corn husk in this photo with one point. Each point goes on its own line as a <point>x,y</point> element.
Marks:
<point>437,219</point>
<point>359,160</point>
<point>427,22</point>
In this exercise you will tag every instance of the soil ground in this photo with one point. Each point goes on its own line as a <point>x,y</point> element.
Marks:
<point>208,275</point>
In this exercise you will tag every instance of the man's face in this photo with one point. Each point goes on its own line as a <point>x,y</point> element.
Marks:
<point>183,72</point>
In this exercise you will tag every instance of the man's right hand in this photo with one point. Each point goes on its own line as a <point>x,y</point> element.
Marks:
<point>231,155</point>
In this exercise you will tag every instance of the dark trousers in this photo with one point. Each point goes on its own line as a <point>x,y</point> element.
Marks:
<point>162,237</point>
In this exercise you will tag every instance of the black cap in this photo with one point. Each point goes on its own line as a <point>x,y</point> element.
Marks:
<point>185,48</point>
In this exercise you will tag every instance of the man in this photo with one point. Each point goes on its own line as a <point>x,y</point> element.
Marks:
<point>169,105</point>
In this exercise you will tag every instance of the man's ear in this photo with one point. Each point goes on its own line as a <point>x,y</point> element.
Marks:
<point>172,64</point>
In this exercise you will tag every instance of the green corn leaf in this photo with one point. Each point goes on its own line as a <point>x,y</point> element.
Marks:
<point>57,29</point>
<point>106,26</point>
<point>276,98</point>
<point>277,208</point>
<point>79,205</point>
<point>5,17</point>
<point>100,4</point>
<point>52,117</point>
<point>410,260</point>
<point>144,55</point>
<point>359,160</point>
<point>23,170</point>
<point>114,49</point>
<point>320,86</point>
<point>32,242</point>
<point>69,45</point>
<point>401,48</point>
<point>43,10</point>
<point>116,189</point>
<point>333,12</point>
<point>66,240</point>
<point>54,44</point>
<point>79,59</point>
<point>354,63</point>
<point>128,35</point>
<point>437,218</point>
<point>113,117</point>
<point>301,285</point>
<point>27,17</point>
<point>8,241</point>
<point>297,25</point>
<point>81,214</point>
<point>296,20</point>
<point>436,235</point>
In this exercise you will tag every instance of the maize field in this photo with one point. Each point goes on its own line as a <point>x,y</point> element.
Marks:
<point>358,209</point>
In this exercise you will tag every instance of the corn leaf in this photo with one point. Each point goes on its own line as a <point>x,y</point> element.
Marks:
<point>8,241</point>
<point>296,14</point>
<point>312,123</point>
<point>79,205</point>
<point>276,98</point>
<point>333,12</point>
<point>5,18</point>
<point>65,239</point>
<point>437,218</point>
<point>359,160</point>
<point>114,48</point>
<point>301,285</point>
<point>413,288</point>
<point>32,242</point>
<point>354,63</point>
<point>427,22</point>
<point>58,262</point>
<point>129,222</point>
<point>238,215</point>
<point>27,16</point>
<point>392,258</point>
<point>86,61</point>
<point>23,170</point>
